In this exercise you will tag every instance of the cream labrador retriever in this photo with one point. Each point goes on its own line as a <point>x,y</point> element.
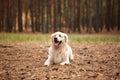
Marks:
<point>59,52</point>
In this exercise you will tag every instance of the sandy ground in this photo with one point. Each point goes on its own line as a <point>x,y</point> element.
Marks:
<point>93,61</point>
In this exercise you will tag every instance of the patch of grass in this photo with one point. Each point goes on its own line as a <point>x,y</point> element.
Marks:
<point>22,37</point>
<point>95,38</point>
<point>10,37</point>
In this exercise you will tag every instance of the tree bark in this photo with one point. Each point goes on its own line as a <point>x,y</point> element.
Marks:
<point>118,15</point>
<point>20,24</point>
<point>55,15</point>
<point>97,17</point>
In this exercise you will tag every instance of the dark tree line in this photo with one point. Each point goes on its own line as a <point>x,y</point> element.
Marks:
<point>59,15</point>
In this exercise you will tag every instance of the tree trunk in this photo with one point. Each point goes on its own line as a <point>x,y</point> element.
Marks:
<point>78,15</point>
<point>72,20</point>
<point>9,17</point>
<point>43,16</point>
<point>97,17</point>
<point>47,16</point>
<point>101,18</point>
<point>59,14</point>
<point>26,8</point>
<point>55,15</point>
<point>2,13</point>
<point>20,25</point>
<point>37,16</point>
<point>89,16</point>
<point>108,16</point>
<point>32,14</point>
<point>84,16</point>
<point>14,14</point>
<point>118,15</point>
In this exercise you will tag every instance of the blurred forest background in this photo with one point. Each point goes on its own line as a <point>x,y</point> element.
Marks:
<point>46,16</point>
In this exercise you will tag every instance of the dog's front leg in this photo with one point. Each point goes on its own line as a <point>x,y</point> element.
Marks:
<point>49,61</point>
<point>65,61</point>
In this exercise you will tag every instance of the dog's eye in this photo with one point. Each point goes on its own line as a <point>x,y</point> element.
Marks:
<point>60,36</point>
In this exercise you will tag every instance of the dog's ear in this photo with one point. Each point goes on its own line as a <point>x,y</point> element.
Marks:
<point>66,37</point>
<point>52,35</point>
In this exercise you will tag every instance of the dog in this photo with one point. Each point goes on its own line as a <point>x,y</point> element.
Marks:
<point>59,52</point>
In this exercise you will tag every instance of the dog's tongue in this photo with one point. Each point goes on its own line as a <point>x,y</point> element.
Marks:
<point>56,43</point>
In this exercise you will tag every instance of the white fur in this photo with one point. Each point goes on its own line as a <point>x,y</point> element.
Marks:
<point>59,54</point>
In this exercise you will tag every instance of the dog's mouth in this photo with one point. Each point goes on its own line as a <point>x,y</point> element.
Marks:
<point>56,42</point>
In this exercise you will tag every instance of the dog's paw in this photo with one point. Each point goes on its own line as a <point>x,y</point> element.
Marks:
<point>46,63</point>
<point>63,63</point>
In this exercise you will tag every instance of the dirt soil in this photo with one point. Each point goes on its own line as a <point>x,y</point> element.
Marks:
<point>93,61</point>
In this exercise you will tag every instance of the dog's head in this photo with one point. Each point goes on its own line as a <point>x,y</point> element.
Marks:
<point>59,38</point>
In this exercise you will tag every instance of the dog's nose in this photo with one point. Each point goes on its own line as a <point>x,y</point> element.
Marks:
<point>55,38</point>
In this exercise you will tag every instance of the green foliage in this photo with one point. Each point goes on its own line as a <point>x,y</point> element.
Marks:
<point>46,38</point>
